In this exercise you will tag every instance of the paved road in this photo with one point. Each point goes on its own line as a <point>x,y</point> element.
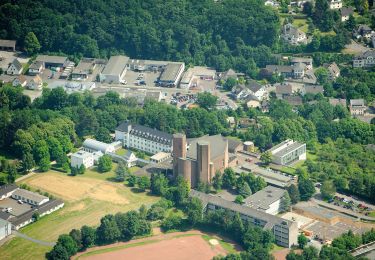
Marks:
<point>43,243</point>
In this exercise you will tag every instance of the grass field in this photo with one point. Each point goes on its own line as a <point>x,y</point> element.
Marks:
<point>301,24</point>
<point>87,198</point>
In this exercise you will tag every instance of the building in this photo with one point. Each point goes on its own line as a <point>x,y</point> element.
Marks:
<point>257,91</point>
<point>313,89</point>
<point>196,73</point>
<point>36,68</point>
<point>171,75</point>
<point>364,60</point>
<point>35,83</point>
<point>297,71</point>
<point>160,157</point>
<point>53,62</point>
<point>287,152</point>
<point>91,146</point>
<point>19,81</point>
<point>345,13</point>
<point>15,68</point>
<point>337,101</point>
<point>143,138</point>
<point>335,4</point>
<point>115,70</point>
<point>198,159</point>
<point>252,103</point>
<point>363,31</point>
<point>7,45</point>
<point>84,68</point>
<point>285,231</point>
<point>228,74</point>
<point>30,197</point>
<point>357,107</point>
<point>267,200</point>
<point>293,35</point>
<point>7,190</point>
<point>333,70</point>
<point>131,159</point>
<point>305,60</point>
<point>82,158</point>
<point>5,229</point>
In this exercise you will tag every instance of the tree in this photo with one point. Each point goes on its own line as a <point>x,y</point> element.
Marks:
<point>217,180</point>
<point>108,231</point>
<point>36,216</point>
<point>244,190</point>
<point>155,213</point>
<point>230,83</point>
<point>143,211</point>
<point>68,243</point>
<point>194,211</point>
<point>239,199</point>
<point>307,8</point>
<point>159,184</point>
<point>173,221</point>
<point>132,180</point>
<point>266,158</point>
<point>27,162</point>
<point>102,134</point>
<point>293,193</point>
<point>77,237</point>
<point>302,241</point>
<point>88,236</point>
<point>229,178</point>
<point>285,203</point>
<point>306,188</point>
<point>206,100</point>
<point>31,44</point>
<point>321,75</point>
<point>143,183</point>
<point>328,190</point>
<point>105,163</point>
<point>58,253</point>
<point>181,191</point>
<point>121,171</point>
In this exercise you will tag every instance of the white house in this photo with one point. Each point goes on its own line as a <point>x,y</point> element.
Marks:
<point>293,35</point>
<point>35,83</point>
<point>15,68</point>
<point>357,107</point>
<point>19,81</point>
<point>29,197</point>
<point>143,138</point>
<point>335,4</point>
<point>36,68</point>
<point>82,158</point>
<point>345,13</point>
<point>7,190</point>
<point>131,159</point>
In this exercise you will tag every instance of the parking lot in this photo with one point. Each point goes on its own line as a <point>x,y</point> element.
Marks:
<point>17,209</point>
<point>7,57</point>
<point>133,78</point>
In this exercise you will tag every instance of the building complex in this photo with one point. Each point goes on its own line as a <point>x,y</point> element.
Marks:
<point>287,152</point>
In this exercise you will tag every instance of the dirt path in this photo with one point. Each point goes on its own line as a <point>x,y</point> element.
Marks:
<point>156,238</point>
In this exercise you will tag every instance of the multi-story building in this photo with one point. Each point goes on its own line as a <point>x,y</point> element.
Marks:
<point>82,158</point>
<point>171,75</point>
<point>5,229</point>
<point>357,107</point>
<point>365,59</point>
<point>15,68</point>
<point>115,70</point>
<point>285,231</point>
<point>143,138</point>
<point>333,70</point>
<point>308,61</point>
<point>267,200</point>
<point>288,152</point>
<point>293,35</point>
<point>335,4</point>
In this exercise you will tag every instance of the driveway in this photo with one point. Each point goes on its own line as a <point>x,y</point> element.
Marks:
<point>43,243</point>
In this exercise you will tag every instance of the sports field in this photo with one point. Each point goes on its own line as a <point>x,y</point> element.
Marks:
<point>87,198</point>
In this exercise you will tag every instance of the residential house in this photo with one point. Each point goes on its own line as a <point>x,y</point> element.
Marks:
<point>7,45</point>
<point>36,68</point>
<point>228,74</point>
<point>364,31</point>
<point>333,70</point>
<point>7,190</point>
<point>308,61</point>
<point>82,158</point>
<point>5,229</point>
<point>272,3</point>
<point>345,13</point>
<point>130,159</point>
<point>231,121</point>
<point>19,81</point>
<point>337,102</point>
<point>294,100</point>
<point>313,89</point>
<point>35,83</point>
<point>240,92</point>
<point>267,200</point>
<point>335,4</point>
<point>15,68</point>
<point>251,103</point>
<point>257,91</point>
<point>357,107</point>
<point>293,35</point>
<point>297,71</point>
<point>288,152</point>
<point>364,60</point>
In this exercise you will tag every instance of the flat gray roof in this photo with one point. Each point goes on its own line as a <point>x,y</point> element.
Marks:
<point>30,195</point>
<point>116,65</point>
<point>170,72</point>
<point>82,154</point>
<point>289,148</point>
<point>273,178</point>
<point>7,43</point>
<point>214,200</point>
<point>52,59</point>
<point>262,199</point>
<point>84,66</point>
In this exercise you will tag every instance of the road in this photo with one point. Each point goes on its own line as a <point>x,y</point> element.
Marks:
<point>43,243</point>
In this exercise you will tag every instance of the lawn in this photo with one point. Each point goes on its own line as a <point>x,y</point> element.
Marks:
<point>300,164</point>
<point>87,198</point>
<point>301,24</point>
<point>229,247</point>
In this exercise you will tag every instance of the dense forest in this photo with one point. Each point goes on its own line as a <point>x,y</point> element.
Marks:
<point>223,34</point>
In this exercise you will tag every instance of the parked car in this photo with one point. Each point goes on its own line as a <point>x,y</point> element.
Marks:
<point>20,202</point>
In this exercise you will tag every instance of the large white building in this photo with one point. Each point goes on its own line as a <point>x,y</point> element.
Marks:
<point>15,68</point>
<point>293,35</point>
<point>115,70</point>
<point>267,200</point>
<point>5,229</point>
<point>171,75</point>
<point>82,158</point>
<point>143,138</point>
<point>91,146</point>
<point>29,197</point>
<point>288,152</point>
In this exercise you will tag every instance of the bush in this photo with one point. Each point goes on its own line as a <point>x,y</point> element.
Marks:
<point>171,222</point>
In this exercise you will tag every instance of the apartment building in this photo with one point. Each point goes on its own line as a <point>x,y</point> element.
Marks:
<point>288,152</point>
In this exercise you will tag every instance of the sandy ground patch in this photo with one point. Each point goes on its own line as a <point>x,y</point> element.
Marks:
<point>183,248</point>
<point>76,188</point>
<point>213,242</point>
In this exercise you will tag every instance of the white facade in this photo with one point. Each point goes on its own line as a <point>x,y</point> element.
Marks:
<point>335,4</point>
<point>36,83</point>
<point>261,93</point>
<point>13,70</point>
<point>82,158</point>
<point>367,59</point>
<point>5,229</point>
<point>91,145</point>
<point>20,81</point>
<point>288,152</point>
<point>29,197</point>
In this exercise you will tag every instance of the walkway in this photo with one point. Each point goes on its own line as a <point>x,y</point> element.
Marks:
<point>43,243</point>
<point>364,249</point>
